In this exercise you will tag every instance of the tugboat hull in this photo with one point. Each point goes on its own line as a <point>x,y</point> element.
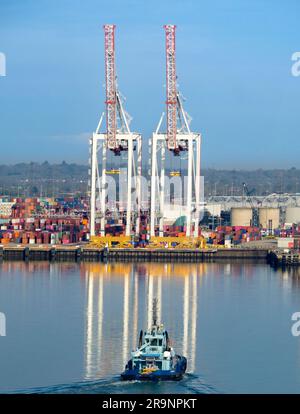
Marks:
<point>158,375</point>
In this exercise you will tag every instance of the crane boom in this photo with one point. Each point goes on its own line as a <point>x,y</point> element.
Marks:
<point>110,83</point>
<point>171,101</point>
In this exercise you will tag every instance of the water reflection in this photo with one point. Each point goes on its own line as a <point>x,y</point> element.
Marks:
<point>96,310</point>
<point>94,322</point>
<point>119,301</point>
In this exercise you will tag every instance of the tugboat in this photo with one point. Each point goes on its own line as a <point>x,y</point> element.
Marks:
<point>154,359</point>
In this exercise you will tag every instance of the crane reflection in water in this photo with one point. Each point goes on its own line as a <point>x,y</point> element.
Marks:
<point>81,320</point>
<point>119,299</point>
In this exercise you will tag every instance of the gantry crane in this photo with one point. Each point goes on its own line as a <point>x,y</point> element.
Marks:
<point>118,139</point>
<point>177,138</point>
<point>255,218</point>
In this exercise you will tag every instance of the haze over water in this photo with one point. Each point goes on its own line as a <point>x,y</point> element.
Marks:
<point>71,327</point>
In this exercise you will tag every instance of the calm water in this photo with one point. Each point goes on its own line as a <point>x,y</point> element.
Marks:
<point>70,327</point>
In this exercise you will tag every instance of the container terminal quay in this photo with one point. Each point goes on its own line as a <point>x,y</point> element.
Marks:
<point>124,216</point>
<point>59,229</point>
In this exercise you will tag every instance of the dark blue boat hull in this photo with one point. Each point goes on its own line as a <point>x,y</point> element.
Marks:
<point>159,375</point>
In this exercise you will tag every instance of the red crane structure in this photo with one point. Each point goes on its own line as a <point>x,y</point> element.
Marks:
<point>171,101</point>
<point>176,139</point>
<point>111,87</point>
<point>117,138</point>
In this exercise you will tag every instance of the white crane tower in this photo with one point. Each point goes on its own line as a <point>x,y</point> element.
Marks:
<point>118,139</point>
<point>176,139</point>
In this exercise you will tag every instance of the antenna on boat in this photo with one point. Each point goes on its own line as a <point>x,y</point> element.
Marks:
<point>154,311</point>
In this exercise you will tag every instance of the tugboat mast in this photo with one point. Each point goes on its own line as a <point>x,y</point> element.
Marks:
<point>154,311</point>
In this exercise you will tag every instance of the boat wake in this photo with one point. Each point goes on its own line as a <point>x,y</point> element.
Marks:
<point>190,384</point>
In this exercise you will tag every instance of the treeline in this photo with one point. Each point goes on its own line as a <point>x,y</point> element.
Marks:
<point>33,179</point>
<point>43,170</point>
<point>259,182</point>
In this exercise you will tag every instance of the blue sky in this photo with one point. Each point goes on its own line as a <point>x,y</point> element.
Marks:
<point>233,65</point>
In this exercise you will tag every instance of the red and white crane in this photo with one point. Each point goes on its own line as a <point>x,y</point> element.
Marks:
<point>111,87</point>
<point>117,138</point>
<point>176,139</point>
<point>171,88</point>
